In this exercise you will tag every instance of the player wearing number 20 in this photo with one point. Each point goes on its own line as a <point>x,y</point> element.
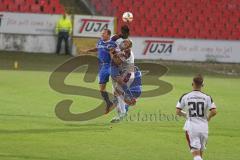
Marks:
<point>199,108</point>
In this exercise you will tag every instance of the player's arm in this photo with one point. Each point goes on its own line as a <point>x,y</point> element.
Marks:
<point>212,113</point>
<point>124,33</point>
<point>180,106</point>
<point>92,50</point>
<point>112,52</point>
<point>116,37</point>
<point>181,113</point>
<point>212,108</point>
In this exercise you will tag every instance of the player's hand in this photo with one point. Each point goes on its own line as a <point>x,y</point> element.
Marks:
<point>112,50</point>
<point>84,51</point>
<point>208,119</point>
<point>130,102</point>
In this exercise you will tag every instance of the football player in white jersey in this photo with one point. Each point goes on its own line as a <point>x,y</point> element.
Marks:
<point>198,108</point>
<point>120,38</point>
<point>126,79</point>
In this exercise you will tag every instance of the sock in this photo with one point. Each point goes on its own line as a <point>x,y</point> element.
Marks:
<point>118,107</point>
<point>106,98</point>
<point>197,158</point>
<point>126,107</point>
<point>122,105</point>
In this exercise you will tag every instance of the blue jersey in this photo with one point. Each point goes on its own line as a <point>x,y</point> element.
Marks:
<point>103,50</point>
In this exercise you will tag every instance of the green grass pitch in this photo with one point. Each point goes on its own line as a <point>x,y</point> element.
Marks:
<point>30,130</point>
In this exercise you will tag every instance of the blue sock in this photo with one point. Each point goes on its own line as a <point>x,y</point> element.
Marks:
<point>127,107</point>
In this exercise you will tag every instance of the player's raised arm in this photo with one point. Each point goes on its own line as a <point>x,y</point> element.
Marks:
<point>90,50</point>
<point>124,33</point>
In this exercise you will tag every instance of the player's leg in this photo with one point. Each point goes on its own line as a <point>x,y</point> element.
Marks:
<point>104,93</point>
<point>194,143</point>
<point>197,155</point>
<point>116,118</point>
<point>122,108</point>
<point>135,88</point>
<point>204,138</point>
<point>132,77</point>
<point>104,74</point>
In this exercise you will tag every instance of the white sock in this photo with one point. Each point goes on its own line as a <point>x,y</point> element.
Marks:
<point>121,105</point>
<point>197,158</point>
<point>118,107</point>
<point>131,79</point>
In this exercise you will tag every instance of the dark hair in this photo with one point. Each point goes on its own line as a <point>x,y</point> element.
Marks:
<point>125,31</point>
<point>198,80</point>
<point>108,31</point>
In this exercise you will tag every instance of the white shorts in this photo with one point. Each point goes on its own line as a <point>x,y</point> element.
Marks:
<point>197,141</point>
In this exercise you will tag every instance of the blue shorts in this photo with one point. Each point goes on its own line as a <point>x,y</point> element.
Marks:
<point>136,86</point>
<point>104,73</point>
<point>136,91</point>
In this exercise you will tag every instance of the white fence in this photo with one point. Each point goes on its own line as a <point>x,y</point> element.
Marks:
<point>186,49</point>
<point>91,26</point>
<point>34,24</point>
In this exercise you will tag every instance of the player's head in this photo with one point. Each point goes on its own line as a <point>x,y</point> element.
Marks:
<point>125,44</point>
<point>197,82</point>
<point>125,31</point>
<point>106,34</point>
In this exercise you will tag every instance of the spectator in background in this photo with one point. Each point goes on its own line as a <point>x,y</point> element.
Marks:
<point>63,30</point>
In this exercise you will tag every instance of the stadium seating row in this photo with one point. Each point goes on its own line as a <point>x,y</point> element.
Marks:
<point>215,19</point>
<point>32,6</point>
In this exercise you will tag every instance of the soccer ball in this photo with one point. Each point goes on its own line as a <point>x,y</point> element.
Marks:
<point>127,17</point>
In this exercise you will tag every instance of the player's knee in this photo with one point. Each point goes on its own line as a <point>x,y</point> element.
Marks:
<point>102,88</point>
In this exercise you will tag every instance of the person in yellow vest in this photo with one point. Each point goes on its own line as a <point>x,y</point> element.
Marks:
<point>63,30</point>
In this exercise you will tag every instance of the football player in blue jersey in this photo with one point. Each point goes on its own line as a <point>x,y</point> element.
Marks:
<point>102,48</point>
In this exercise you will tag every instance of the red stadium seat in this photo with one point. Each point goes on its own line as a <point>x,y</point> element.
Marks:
<point>13,7</point>
<point>24,8</point>
<point>35,8</point>
<point>19,2</point>
<point>48,9</point>
<point>54,2</point>
<point>2,7</point>
<point>188,19</point>
<point>30,1</point>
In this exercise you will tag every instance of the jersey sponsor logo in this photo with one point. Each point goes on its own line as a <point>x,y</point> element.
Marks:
<point>158,47</point>
<point>93,25</point>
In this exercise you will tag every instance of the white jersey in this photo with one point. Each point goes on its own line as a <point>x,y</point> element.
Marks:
<point>131,58</point>
<point>196,105</point>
